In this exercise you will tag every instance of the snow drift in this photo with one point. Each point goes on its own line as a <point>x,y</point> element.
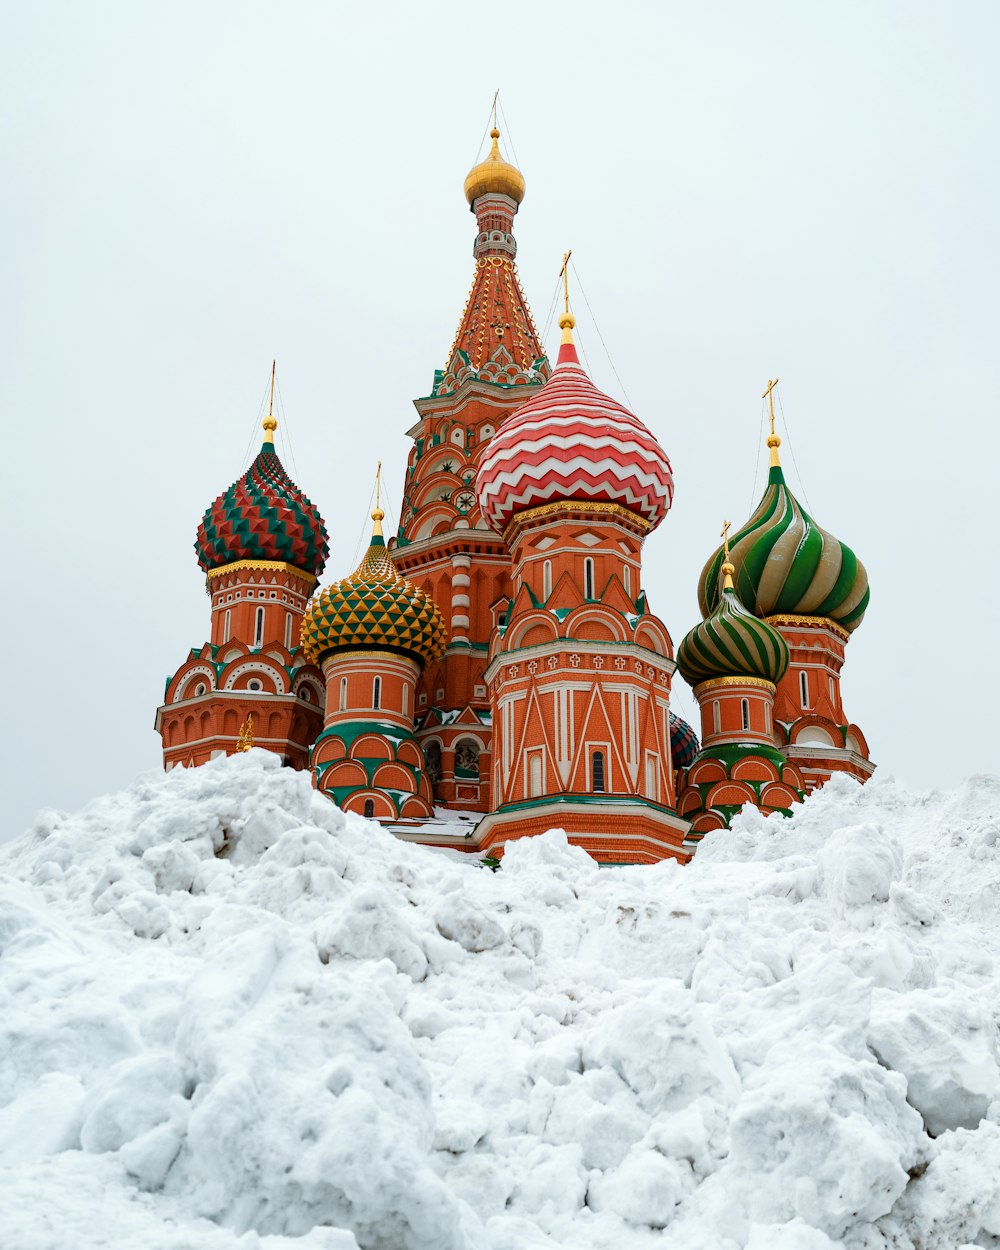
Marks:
<point>233,1017</point>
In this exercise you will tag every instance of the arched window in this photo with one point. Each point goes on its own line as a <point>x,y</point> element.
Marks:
<point>716,717</point>
<point>767,718</point>
<point>227,624</point>
<point>369,808</point>
<point>588,578</point>
<point>258,629</point>
<point>597,772</point>
<point>406,699</point>
<point>467,760</point>
<point>343,694</point>
<point>546,579</point>
<point>627,579</point>
<point>745,711</point>
<point>535,774</point>
<point>288,630</point>
<point>432,756</point>
<point>804,688</point>
<point>377,692</point>
<point>833,691</point>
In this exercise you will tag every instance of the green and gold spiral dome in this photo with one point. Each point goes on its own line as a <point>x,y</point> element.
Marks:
<point>787,564</point>
<point>732,642</point>
<point>374,608</point>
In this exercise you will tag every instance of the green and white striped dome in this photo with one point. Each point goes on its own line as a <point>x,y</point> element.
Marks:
<point>732,642</point>
<point>787,564</point>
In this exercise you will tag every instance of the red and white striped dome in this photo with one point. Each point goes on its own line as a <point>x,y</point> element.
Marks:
<point>572,442</point>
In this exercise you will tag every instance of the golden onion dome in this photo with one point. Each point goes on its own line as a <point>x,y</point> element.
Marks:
<point>494,176</point>
<point>374,608</point>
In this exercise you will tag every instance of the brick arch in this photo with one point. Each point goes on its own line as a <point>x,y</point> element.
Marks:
<point>531,630</point>
<point>655,637</point>
<point>345,773</point>
<point>371,746</point>
<point>754,769</point>
<point>730,794</point>
<point>392,776</point>
<point>594,625</point>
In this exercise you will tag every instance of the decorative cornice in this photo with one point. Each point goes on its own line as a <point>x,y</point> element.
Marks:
<point>274,565</point>
<point>715,683</point>
<point>809,622</point>
<point>521,519</point>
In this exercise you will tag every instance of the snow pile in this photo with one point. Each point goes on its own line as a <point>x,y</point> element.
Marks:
<point>232,1017</point>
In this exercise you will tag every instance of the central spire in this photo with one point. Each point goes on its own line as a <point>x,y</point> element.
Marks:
<point>496,340</point>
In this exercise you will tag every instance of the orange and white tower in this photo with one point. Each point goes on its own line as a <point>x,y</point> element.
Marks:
<point>372,633</point>
<point>580,669</point>
<point>261,545</point>
<point>444,545</point>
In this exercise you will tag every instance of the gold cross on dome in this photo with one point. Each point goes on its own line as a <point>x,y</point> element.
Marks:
<point>564,274</point>
<point>769,396</point>
<point>726,526</point>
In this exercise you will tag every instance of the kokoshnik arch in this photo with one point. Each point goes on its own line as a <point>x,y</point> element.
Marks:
<point>495,669</point>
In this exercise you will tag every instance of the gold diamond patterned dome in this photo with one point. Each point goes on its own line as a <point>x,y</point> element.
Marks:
<point>494,176</point>
<point>374,607</point>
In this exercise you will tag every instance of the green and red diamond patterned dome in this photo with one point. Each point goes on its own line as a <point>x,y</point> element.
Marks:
<point>263,516</point>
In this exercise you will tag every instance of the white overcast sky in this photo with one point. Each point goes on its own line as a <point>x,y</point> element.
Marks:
<point>797,189</point>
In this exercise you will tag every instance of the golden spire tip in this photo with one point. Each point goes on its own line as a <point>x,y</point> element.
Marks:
<point>378,516</point>
<point>773,441</point>
<point>269,423</point>
<point>728,569</point>
<point>566,319</point>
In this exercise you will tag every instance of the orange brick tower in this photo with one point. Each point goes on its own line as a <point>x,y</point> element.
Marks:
<point>262,545</point>
<point>814,590</point>
<point>444,545</point>
<point>734,660</point>
<point>372,633</point>
<point>580,669</point>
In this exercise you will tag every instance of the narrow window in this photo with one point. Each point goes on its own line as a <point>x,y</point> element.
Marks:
<point>546,579</point>
<point>716,717</point>
<point>804,688</point>
<point>369,808</point>
<point>227,624</point>
<point>745,710</point>
<point>288,630</point>
<point>597,772</point>
<point>588,578</point>
<point>627,579</point>
<point>833,692</point>
<point>258,629</point>
<point>377,692</point>
<point>535,775</point>
<point>343,694</point>
<point>406,700</point>
<point>767,718</point>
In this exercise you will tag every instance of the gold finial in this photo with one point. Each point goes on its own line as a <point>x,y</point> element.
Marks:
<point>773,441</point>
<point>728,569</point>
<point>245,741</point>
<point>270,425</point>
<point>378,515</point>
<point>496,96</point>
<point>566,319</point>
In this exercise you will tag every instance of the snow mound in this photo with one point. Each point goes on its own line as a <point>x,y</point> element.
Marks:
<point>233,1017</point>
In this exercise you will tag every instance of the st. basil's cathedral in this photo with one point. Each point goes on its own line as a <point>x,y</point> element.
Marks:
<point>495,669</point>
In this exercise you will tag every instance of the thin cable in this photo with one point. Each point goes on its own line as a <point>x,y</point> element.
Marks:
<point>756,462</point>
<point>621,384</point>
<point>486,130</point>
<point>244,464</point>
<point>364,537</point>
<point>551,313</point>
<point>798,474</point>
<point>286,431</point>
<point>578,339</point>
<point>507,131</point>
